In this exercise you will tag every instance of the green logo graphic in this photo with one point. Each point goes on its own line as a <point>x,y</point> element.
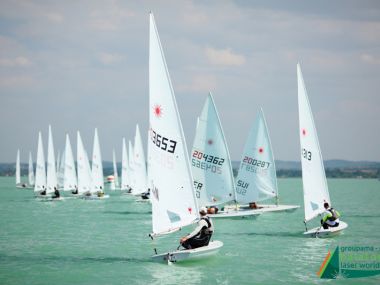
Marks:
<point>351,262</point>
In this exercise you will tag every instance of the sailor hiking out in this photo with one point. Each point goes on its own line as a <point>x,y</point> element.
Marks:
<point>330,217</point>
<point>202,233</point>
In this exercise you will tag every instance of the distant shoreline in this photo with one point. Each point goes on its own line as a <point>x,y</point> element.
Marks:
<point>285,169</point>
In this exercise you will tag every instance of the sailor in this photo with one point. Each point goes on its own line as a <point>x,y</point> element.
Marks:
<point>75,191</point>
<point>56,193</point>
<point>201,235</point>
<point>212,210</point>
<point>146,195</point>
<point>43,192</point>
<point>330,217</point>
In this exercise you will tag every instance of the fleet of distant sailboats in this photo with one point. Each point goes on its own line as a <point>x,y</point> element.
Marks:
<point>176,184</point>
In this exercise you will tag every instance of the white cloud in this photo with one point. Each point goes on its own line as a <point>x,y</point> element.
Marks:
<point>19,61</point>
<point>224,57</point>
<point>55,17</point>
<point>109,58</point>
<point>368,58</point>
<point>200,83</point>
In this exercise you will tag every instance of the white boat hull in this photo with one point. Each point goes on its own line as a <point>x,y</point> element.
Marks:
<point>236,214</point>
<point>320,232</point>
<point>278,208</point>
<point>189,254</point>
<point>95,197</point>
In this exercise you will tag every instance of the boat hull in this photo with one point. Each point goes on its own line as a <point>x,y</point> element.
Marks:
<point>189,254</point>
<point>95,197</point>
<point>278,208</point>
<point>236,214</point>
<point>326,233</point>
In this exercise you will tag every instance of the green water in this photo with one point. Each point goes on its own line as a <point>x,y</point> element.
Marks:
<point>105,242</point>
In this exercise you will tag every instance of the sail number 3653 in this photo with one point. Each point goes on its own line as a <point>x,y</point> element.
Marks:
<point>163,142</point>
<point>306,154</point>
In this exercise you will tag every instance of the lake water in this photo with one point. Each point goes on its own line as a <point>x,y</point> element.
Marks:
<point>106,242</point>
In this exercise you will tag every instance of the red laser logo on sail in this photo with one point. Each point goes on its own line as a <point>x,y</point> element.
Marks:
<point>210,142</point>
<point>304,132</point>
<point>261,150</point>
<point>157,111</point>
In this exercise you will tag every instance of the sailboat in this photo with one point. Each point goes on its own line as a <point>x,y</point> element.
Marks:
<point>18,171</point>
<point>97,189</point>
<point>124,168</point>
<point>211,165</point>
<point>139,170</point>
<point>30,172</point>
<point>84,169</point>
<point>257,180</point>
<point>61,170</point>
<point>314,181</point>
<point>40,183</point>
<point>69,174</point>
<point>173,198</point>
<point>115,185</point>
<point>131,165</point>
<point>51,177</point>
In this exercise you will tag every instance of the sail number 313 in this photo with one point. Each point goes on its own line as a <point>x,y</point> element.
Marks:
<point>306,154</point>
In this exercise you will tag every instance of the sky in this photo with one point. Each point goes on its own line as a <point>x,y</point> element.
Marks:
<point>78,65</point>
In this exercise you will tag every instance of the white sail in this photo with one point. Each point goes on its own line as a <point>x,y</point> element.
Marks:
<point>210,159</point>
<point>124,168</point>
<point>40,183</point>
<point>51,178</point>
<point>115,174</point>
<point>58,164</point>
<point>97,166</point>
<point>140,178</point>
<point>18,171</point>
<point>313,173</point>
<point>131,164</point>
<point>172,196</point>
<point>61,171</point>
<point>30,171</point>
<point>257,180</point>
<point>69,174</point>
<point>84,170</point>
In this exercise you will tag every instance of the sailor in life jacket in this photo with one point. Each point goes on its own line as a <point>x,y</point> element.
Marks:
<point>202,233</point>
<point>330,217</point>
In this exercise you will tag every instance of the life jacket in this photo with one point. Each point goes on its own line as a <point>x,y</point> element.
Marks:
<point>334,215</point>
<point>205,231</point>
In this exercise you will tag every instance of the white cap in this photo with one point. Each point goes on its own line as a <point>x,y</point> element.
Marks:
<point>203,210</point>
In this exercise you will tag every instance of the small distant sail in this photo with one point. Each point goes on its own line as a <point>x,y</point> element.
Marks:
<point>124,168</point>
<point>97,165</point>
<point>84,169</point>
<point>51,178</point>
<point>115,174</point>
<point>40,183</point>
<point>139,171</point>
<point>69,173</point>
<point>18,174</point>
<point>30,171</point>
